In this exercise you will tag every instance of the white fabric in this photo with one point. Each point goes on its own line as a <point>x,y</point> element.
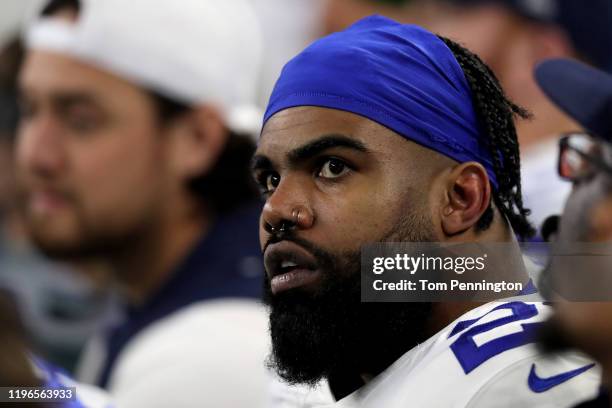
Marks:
<point>196,51</point>
<point>430,376</point>
<point>210,354</point>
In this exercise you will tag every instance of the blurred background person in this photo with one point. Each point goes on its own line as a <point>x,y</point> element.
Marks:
<point>586,160</point>
<point>133,149</point>
<point>59,308</point>
<point>339,14</point>
<point>512,36</point>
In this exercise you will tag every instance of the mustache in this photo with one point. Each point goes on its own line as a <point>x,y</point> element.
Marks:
<point>291,237</point>
<point>28,188</point>
<point>323,257</point>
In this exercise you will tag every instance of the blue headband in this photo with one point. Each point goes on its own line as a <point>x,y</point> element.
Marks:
<point>400,76</point>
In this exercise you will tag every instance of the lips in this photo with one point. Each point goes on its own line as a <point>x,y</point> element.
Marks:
<point>290,266</point>
<point>46,202</point>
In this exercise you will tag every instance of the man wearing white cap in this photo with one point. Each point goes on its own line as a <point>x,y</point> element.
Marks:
<point>132,150</point>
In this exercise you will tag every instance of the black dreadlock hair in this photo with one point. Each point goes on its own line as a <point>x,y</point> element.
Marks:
<point>496,115</point>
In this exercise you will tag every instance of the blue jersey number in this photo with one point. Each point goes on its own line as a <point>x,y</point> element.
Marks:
<point>471,356</point>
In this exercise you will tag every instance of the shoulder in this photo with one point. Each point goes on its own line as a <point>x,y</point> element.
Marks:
<point>224,342</point>
<point>487,357</point>
<point>541,381</point>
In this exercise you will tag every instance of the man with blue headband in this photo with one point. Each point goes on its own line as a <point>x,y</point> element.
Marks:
<point>387,133</point>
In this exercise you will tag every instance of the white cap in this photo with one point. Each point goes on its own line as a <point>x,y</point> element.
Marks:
<point>195,51</point>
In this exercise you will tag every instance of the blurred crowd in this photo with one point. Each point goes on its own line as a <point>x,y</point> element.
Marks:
<point>111,269</point>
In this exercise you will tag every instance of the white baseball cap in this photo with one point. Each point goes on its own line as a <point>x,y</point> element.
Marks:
<point>194,51</point>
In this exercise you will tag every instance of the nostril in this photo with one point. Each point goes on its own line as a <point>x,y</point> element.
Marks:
<point>283,227</point>
<point>286,226</point>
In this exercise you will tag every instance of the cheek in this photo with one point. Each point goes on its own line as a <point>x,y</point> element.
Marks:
<point>115,172</point>
<point>361,215</point>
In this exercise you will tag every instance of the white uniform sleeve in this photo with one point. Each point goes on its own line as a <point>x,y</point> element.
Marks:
<point>541,382</point>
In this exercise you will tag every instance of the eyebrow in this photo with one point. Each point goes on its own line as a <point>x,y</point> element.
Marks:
<point>311,149</point>
<point>72,99</point>
<point>65,98</point>
<point>323,143</point>
<point>260,162</point>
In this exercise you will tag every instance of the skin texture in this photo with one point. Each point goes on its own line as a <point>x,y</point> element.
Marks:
<point>588,218</point>
<point>101,177</point>
<point>387,188</point>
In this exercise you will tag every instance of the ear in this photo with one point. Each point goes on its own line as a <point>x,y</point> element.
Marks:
<point>197,141</point>
<point>468,196</point>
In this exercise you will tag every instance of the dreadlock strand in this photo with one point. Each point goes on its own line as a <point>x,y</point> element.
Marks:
<point>496,114</point>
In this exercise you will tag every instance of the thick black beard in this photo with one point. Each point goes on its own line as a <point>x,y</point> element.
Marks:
<point>315,335</point>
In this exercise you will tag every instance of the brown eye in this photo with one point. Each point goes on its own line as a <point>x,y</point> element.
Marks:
<point>333,168</point>
<point>271,181</point>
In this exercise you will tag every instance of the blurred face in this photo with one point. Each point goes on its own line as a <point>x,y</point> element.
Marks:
<point>488,29</point>
<point>587,218</point>
<point>334,181</point>
<point>7,182</point>
<point>90,158</point>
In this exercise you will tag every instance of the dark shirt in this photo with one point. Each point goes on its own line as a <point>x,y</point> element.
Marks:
<point>226,262</point>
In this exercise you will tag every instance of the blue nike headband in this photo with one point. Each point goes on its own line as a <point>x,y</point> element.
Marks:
<point>400,76</point>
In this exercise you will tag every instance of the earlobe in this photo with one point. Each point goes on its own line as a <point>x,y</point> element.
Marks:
<point>468,197</point>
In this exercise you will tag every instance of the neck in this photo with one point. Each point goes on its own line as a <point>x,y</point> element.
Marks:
<point>149,261</point>
<point>503,264</point>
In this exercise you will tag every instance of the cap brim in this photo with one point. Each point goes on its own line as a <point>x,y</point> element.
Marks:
<point>583,92</point>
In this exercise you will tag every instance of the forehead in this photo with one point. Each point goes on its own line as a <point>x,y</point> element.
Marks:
<point>47,73</point>
<point>297,126</point>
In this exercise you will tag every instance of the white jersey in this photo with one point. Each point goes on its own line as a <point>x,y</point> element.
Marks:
<point>485,359</point>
